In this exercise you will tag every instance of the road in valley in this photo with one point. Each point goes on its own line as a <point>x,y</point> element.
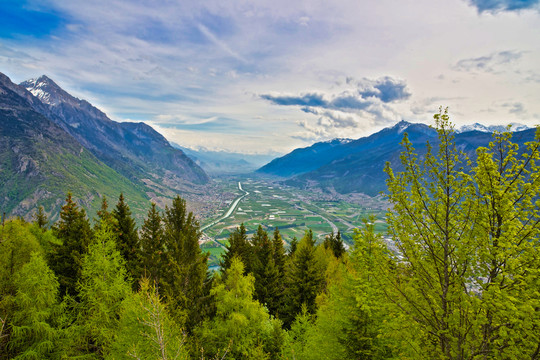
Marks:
<point>231,208</point>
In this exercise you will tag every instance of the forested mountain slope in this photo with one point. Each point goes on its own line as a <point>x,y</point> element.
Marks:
<point>40,161</point>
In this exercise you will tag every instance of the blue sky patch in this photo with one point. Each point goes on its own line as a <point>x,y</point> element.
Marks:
<point>17,19</point>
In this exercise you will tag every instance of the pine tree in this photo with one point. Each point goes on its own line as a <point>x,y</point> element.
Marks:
<point>154,256</point>
<point>73,229</point>
<point>128,239</point>
<point>239,247</point>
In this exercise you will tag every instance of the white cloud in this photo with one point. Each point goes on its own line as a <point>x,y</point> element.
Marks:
<point>191,60</point>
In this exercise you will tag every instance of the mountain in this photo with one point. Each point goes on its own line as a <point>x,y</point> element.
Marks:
<point>491,128</point>
<point>357,166</point>
<point>40,161</point>
<point>306,159</point>
<point>225,163</point>
<point>133,149</point>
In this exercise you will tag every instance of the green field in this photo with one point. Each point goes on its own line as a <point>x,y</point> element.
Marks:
<point>291,210</point>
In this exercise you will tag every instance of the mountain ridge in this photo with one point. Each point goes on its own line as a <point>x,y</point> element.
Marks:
<point>134,149</point>
<point>357,166</point>
<point>40,161</point>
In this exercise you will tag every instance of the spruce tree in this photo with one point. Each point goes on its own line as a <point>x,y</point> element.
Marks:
<point>186,282</point>
<point>239,247</point>
<point>279,251</point>
<point>127,238</point>
<point>305,280</point>
<point>105,217</point>
<point>268,280</point>
<point>153,252</point>
<point>73,229</point>
<point>335,243</point>
<point>41,219</point>
<point>292,247</point>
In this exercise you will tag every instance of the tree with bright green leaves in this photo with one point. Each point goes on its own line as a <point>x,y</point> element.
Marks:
<point>295,345</point>
<point>506,240</point>
<point>146,330</point>
<point>73,230</point>
<point>305,280</point>
<point>186,283</point>
<point>241,327</point>
<point>127,238</point>
<point>41,219</point>
<point>240,247</point>
<point>20,245</point>
<point>33,335</point>
<point>464,280</point>
<point>153,251</point>
<point>102,288</point>
<point>358,305</point>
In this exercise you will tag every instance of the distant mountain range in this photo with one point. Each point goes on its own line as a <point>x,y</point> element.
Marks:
<point>225,163</point>
<point>52,142</point>
<point>347,166</point>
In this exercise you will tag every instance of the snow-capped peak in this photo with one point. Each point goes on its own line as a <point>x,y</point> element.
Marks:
<point>47,91</point>
<point>402,126</point>
<point>491,128</point>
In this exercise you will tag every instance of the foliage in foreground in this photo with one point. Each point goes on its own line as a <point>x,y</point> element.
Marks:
<point>456,278</point>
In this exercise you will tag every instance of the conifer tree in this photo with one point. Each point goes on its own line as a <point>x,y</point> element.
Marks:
<point>305,280</point>
<point>279,251</point>
<point>105,217</point>
<point>242,326</point>
<point>146,330</point>
<point>268,279</point>
<point>33,335</point>
<point>127,239</point>
<point>292,247</point>
<point>239,247</point>
<point>335,243</point>
<point>154,255</point>
<point>73,229</point>
<point>41,219</point>
<point>186,282</point>
<point>103,285</point>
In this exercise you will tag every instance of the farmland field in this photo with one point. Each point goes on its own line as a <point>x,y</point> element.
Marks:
<point>293,211</point>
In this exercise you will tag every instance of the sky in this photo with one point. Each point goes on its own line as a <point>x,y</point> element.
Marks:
<point>265,77</point>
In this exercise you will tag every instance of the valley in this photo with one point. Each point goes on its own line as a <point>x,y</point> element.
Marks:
<point>259,201</point>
